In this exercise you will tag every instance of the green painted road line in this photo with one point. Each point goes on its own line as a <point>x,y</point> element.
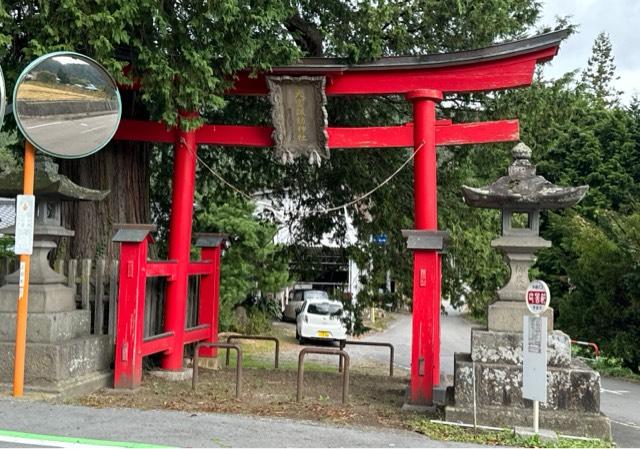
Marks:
<point>85,441</point>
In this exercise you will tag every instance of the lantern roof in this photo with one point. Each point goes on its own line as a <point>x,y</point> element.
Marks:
<point>48,183</point>
<point>522,189</point>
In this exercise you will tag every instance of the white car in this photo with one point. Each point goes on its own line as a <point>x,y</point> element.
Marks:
<point>320,320</point>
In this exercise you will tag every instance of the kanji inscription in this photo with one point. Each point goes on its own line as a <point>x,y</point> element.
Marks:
<point>299,117</point>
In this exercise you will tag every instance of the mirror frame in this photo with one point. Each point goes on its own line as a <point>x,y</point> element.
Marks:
<point>75,55</point>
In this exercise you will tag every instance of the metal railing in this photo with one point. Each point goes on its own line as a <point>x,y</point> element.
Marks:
<point>343,343</point>
<point>194,379</point>
<point>590,344</point>
<point>345,374</point>
<point>256,337</point>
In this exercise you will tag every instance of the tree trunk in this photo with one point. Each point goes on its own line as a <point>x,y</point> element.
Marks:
<point>122,168</point>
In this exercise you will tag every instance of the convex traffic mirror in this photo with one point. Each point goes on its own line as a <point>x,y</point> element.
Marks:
<point>66,105</point>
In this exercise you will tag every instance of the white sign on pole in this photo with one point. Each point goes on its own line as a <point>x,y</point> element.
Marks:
<point>25,214</point>
<point>534,365</point>
<point>538,297</point>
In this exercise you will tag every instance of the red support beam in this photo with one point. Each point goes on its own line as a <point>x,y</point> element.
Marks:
<point>235,135</point>
<point>199,333</point>
<point>478,132</point>
<point>130,324</point>
<point>364,137</point>
<point>183,185</point>
<point>167,269</point>
<point>424,163</point>
<point>425,346</point>
<point>209,304</point>
<point>164,342</point>
<point>200,268</point>
<point>144,131</point>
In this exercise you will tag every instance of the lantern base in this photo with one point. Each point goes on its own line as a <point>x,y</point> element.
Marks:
<point>506,316</point>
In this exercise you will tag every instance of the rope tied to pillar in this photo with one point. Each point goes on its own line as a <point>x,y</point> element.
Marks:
<point>320,211</point>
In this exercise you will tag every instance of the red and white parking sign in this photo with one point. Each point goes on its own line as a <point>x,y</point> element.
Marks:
<point>537,297</point>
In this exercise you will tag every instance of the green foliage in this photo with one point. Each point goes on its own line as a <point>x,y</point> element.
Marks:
<point>354,311</point>
<point>8,158</point>
<point>252,263</point>
<point>602,265</point>
<point>367,30</point>
<point>254,322</point>
<point>613,367</point>
<point>601,71</point>
<point>6,245</point>
<point>184,53</point>
<point>8,162</point>
<point>506,437</point>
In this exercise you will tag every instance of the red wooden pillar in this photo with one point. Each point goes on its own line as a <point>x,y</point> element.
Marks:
<point>210,251</point>
<point>426,243</point>
<point>183,184</point>
<point>133,240</point>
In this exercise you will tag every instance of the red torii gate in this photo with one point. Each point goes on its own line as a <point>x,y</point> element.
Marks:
<point>422,80</point>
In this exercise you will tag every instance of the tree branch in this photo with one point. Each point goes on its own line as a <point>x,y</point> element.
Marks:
<point>306,35</point>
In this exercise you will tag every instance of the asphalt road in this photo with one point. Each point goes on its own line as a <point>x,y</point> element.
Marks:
<point>619,399</point>
<point>187,429</point>
<point>88,133</point>
<point>455,334</point>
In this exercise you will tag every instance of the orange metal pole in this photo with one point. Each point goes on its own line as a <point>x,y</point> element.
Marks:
<point>23,295</point>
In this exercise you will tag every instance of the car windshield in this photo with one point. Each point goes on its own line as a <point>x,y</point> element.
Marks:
<point>315,294</point>
<point>325,308</point>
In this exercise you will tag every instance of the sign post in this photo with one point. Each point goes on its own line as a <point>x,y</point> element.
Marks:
<point>534,351</point>
<point>25,208</point>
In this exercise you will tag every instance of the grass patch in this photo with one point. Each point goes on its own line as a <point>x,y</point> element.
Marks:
<point>610,366</point>
<point>506,437</point>
<point>262,361</point>
<point>375,400</point>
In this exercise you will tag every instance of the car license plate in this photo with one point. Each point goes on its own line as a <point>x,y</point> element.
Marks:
<point>323,334</point>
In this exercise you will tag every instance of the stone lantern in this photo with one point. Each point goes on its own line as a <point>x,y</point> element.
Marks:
<point>488,381</point>
<point>520,195</point>
<point>62,355</point>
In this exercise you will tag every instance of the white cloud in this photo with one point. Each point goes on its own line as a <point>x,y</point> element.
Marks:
<point>618,18</point>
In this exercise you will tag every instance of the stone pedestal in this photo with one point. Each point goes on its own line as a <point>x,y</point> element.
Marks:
<point>506,316</point>
<point>495,365</point>
<point>62,357</point>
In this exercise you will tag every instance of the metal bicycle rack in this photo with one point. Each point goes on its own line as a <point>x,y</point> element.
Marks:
<point>255,337</point>
<point>343,343</point>
<point>345,373</point>
<point>226,346</point>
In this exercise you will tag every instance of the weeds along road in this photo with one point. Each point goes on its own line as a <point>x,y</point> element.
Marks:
<point>619,399</point>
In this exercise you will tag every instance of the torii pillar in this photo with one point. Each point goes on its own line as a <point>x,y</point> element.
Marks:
<point>427,243</point>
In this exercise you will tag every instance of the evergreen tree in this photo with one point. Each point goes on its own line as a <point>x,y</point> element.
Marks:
<point>600,73</point>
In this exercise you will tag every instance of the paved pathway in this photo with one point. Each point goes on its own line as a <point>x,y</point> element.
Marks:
<point>455,334</point>
<point>126,426</point>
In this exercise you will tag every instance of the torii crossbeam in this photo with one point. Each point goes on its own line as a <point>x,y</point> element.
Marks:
<point>423,80</point>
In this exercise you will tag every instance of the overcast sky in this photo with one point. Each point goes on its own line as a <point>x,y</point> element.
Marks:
<point>619,18</point>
